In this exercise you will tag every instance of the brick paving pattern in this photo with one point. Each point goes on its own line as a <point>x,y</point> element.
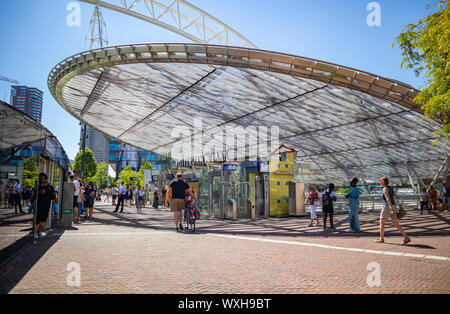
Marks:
<point>140,253</point>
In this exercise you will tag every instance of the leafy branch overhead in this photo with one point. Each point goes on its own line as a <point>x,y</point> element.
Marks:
<point>425,48</point>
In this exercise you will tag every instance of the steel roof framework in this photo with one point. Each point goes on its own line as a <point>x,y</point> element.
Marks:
<point>179,17</point>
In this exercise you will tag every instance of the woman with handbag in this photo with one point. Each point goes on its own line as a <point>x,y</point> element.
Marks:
<point>353,203</point>
<point>312,200</point>
<point>389,211</point>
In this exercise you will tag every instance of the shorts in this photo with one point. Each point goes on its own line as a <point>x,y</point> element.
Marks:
<point>42,214</point>
<point>176,204</point>
<point>114,197</point>
<point>328,209</point>
<point>75,201</point>
<point>313,211</point>
<point>446,200</point>
<point>386,213</point>
<point>89,204</point>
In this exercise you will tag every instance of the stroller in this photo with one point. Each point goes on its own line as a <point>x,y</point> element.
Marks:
<point>191,214</point>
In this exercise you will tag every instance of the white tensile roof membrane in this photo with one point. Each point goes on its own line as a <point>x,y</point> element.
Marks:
<point>344,123</point>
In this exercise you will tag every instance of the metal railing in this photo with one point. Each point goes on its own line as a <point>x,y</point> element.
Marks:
<point>371,203</point>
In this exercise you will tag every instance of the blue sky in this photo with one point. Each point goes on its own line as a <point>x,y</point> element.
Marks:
<point>34,37</point>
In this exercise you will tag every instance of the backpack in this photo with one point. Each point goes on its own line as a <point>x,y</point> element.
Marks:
<point>326,198</point>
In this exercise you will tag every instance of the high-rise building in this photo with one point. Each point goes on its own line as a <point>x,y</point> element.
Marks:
<point>122,155</point>
<point>96,142</point>
<point>28,100</point>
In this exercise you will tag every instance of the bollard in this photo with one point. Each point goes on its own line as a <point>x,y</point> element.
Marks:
<point>67,205</point>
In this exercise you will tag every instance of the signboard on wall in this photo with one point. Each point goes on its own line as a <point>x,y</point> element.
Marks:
<point>263,166</point>
<point>230,167</point>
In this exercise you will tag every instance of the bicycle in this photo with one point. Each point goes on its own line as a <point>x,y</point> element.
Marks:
<point>190,215</point>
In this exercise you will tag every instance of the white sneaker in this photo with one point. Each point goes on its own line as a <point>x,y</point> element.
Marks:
<point>36,236</point>
<point>42,234</point>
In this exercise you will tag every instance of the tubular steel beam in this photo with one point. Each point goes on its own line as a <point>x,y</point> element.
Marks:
<point>444,166</point>
<point>204,32</point>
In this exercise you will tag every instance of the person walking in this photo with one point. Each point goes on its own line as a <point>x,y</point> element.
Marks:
<point>17,196</point>
<point>328,197</point>
<point>312,200</point>
<point>28,193</point>
<point>446,195</point>
<point>130,195</point>
<point>115,193</point>
<point>76,192</point>
<point>424,198</point>
<point>121,197</point>
<point>139,198</point>
<point>178,190</point>
<point>107,194</point>
<point>144,201</point>
<point>353,199</point>
<point>80,200</point>
<point>432,193</point>
<point>389,211</point>
<point>156,199</point>
<point>163,197</point>
<point>44,196</point>
<point>89,199</point>
<point>126,196</point>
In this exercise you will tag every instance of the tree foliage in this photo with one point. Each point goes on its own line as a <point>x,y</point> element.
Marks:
<point>102,178</point>
<point>30,167</point>
<point>128,173</point>
<point>425,47</point>
<point>90,164</point>
<point>145,164</point>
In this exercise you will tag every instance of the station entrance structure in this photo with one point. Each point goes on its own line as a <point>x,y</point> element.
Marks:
<point>21,136</point>
<point>343,122</point>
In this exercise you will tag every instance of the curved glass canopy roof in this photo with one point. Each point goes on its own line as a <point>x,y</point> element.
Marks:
<point>343,122</point>
<point>16,128</point>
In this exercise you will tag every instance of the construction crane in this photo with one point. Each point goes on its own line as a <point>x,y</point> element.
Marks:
<point>2,78</point>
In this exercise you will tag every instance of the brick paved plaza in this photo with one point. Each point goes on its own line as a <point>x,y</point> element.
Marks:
<point>141,253</point>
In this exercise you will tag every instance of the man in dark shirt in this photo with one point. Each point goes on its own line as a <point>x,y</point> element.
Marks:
<point>178,190</point>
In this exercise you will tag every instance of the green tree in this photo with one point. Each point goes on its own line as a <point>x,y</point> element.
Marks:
<point>128,173</point>
<point>343,190</point>
<point>30,167</point>
<point>145,164</point>
<point>90,165</point>
<point>101,177</point>
<point>425,47</point>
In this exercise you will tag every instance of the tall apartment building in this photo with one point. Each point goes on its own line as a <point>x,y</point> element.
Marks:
<point>28,100</point>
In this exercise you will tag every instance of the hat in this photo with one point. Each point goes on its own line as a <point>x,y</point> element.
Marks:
<point>179,174</point>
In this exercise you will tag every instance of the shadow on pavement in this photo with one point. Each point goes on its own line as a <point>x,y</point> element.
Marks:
<point>21,256</point>
<point>292,227</point>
